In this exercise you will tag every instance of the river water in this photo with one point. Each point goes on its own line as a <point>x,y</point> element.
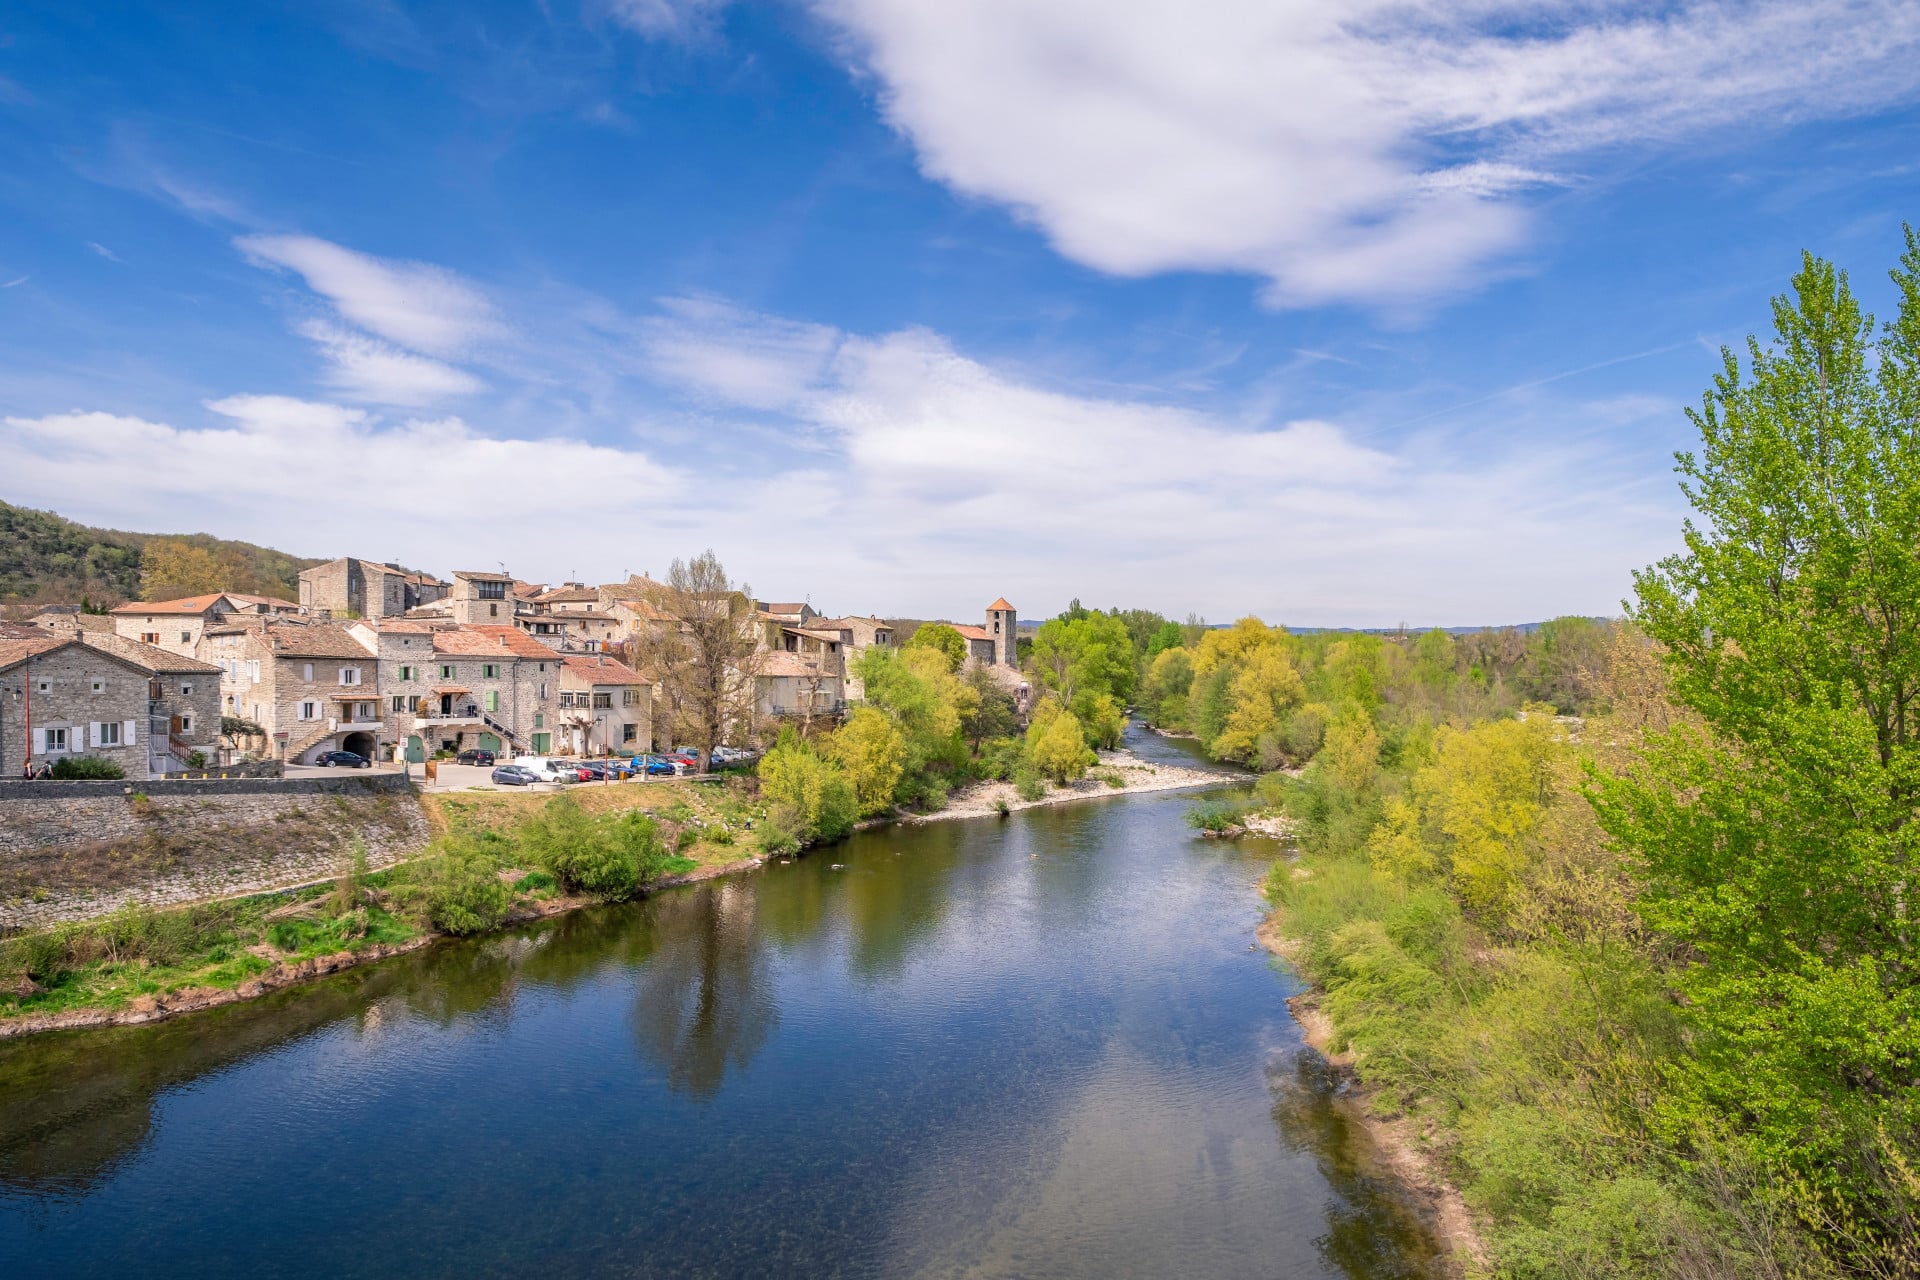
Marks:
<point>1039,1046</point>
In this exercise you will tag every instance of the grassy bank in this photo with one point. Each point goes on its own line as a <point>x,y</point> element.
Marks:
<point>495,858</point>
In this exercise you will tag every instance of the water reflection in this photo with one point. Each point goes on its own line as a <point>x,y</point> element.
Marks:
<point>702,1004</point>
<point>1036,1046</point>
<point>1375,1228</point>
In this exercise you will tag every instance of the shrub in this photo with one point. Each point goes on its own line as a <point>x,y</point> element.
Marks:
<point>462,887</point>
<point>1059,749</point>
<point>535,882</point>
<point>608,857</point>
<point>1028,785</point>
<point>812,794</point>
<point>68,768</point>
<point>1215,815</point>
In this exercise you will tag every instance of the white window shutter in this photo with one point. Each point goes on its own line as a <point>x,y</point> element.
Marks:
<point>93,731</point>
<point>77,738</point>
<point>126,732</point>
<point>39,742</point>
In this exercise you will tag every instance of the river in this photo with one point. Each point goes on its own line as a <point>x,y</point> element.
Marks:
<point>1039,1046</point>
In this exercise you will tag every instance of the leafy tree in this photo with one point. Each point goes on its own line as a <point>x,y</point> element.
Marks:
<point>607,857</point>
<point>995,715</point>
<point>462,887</point>
<point>171,568</point>
<point>1168,635</point>
<point>704,660</point>
<point>1777,831</point>
<point>944,640</point>
<point>1235,644</point>
<point>1263,689</point>
<point>1056,745</point>
<point>810,795</point>
<point>873,755</point>
<point>1102,719</point>
<point>1164,692</point>
<point>1089,653</point>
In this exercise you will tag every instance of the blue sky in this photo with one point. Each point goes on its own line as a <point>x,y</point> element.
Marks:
<point>1389,315</point>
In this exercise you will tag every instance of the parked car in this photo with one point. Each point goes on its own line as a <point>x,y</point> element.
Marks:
<point>594,770</point>
<point>548,769</point>
<point>731,755</point>
<point>343,760</point>
<point>655,766</point>
<point>474,756</point>
<point>513,775</point>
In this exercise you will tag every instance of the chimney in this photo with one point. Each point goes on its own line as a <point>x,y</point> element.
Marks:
<point>503,642</point>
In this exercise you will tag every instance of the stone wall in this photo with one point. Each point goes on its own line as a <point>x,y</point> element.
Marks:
<point>76,854</point>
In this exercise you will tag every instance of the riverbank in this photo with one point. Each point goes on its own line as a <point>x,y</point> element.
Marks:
<point>1404,1146</point>
<point>1118,773</point>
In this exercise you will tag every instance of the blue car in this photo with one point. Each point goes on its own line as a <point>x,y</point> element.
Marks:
<point>654,765</point>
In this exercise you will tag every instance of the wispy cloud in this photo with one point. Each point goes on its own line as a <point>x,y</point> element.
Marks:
<point>103,251</point>
<point>669,19</point>
<point>17,280</point>
<point>418,305</point>
<point>1380,151</point>
<point>369,369</point>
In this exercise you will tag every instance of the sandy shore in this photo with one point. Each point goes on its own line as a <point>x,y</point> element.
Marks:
<point>984,799</point>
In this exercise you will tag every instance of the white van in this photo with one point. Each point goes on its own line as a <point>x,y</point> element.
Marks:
<point>546,767</point>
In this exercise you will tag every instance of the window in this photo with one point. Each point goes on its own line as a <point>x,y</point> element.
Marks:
<point>398,702</point>
<point>56,739</point>
<point>46,686</point>
<point>186,724</point>
<point>349,675</point>
<point>186,637</point>
<point>492,590</point>
<point>149,637</point>
<point>538,720</point>
<point>629,732</point>
<point>97,686</point>
<point>603,700</point>
<point>566,699</point>
<point>626,698</point>
<point>253,669</point>
<point>309,711</point>
<point>543,691</point>
<point>493,611</point>
<point>186,691</point>
<point>446,671</point>
<point>108,734</point>
<point>490,671</point>
<point>406,673</point>
<point>493,700</point>
<point>306,671</point>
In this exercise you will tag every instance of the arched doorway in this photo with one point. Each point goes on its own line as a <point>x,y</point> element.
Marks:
<point>359,743</point>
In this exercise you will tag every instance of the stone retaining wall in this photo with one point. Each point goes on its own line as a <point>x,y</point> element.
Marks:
<point>67,854</point>
<point>348,784</point>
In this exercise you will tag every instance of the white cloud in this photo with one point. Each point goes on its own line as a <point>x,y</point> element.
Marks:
<point>739,357</point>
<point>321,479</point>
<point>1376,151</point>
<point>368,369</point>
<point>103,251</point>
<point>418,305</point>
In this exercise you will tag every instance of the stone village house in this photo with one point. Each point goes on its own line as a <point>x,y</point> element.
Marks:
<point>446,687</point>
<point>605,706</point>
<point>143,708</point>
<point>353,588</point>
<point>178,625</point>
<point>309,685</point>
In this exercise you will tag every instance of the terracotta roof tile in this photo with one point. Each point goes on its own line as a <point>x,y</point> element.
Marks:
<point>145,655</point>
<point>489,641</point>
<point>1001,603</point>
<point>321,640</point>
<point>600,669</point>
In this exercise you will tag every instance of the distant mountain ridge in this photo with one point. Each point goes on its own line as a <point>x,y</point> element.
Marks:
<point>45,557</point>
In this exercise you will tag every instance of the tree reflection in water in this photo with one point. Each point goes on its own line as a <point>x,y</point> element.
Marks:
<point>1375,1230</point>
<point>703,1003</point>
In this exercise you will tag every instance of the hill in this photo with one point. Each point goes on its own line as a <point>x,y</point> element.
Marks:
<point>45,558</point>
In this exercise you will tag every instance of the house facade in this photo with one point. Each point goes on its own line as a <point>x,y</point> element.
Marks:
<point>178,625</point>
<point>446,687</point>
<point>353,588</point>
<point>858,634</point>
<point>310,686</point>
<point>117,700</point>
<point>605,706</point>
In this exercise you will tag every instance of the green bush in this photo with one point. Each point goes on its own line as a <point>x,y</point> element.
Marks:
<point>1028,785</point>
<point>462,887</point>
<point>1215,815</point>
<point>68,768</point>
<point>609,857</point>
<point>811,793</point>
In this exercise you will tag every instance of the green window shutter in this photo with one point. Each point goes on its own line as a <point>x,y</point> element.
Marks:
<point>493,700</point>
<point>539,720</point>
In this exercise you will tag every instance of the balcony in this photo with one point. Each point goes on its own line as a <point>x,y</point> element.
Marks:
<point>467,713</point>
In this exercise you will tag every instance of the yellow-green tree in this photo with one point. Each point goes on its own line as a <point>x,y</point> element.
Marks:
<point>809,794</point>
<point>1057,745</point>
<point>1235,644</point>
<point>1471,814</point>
<point>1264,689</point>
<point>873,755</point>
<point>171,568</point>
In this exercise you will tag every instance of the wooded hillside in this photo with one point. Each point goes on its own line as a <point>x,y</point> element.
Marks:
<point>45,558</point>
